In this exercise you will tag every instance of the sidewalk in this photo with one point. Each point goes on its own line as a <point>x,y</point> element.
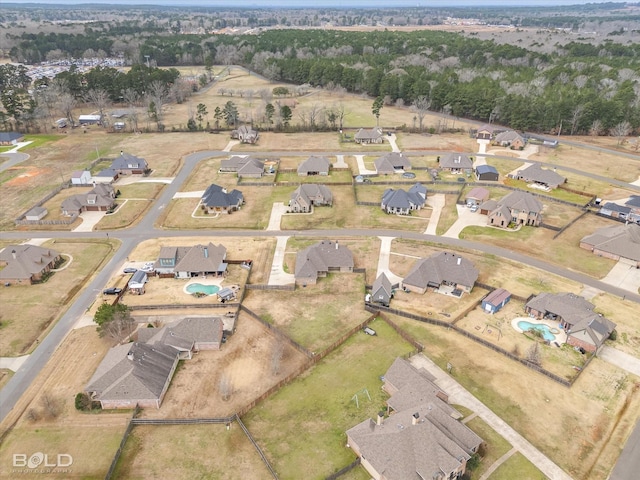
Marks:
<point>459,396</point>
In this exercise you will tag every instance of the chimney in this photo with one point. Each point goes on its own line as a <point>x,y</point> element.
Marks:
<point>414,418</point>
<point>459,260</point>
<point>336,245</point>
<point>13,253</point>
<point>130,356</point>
<point>380,418</point>
<point>121,153</point>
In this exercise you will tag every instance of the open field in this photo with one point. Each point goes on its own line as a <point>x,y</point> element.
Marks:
<point>314,411</point>
<point>190,451</point>
<point>306,316</point>
<point>563,250</point>
<point>245,361</point>
<point>625,314</point>
<point>573,426</point>
<point>449,142</point>
<point>29,310</point>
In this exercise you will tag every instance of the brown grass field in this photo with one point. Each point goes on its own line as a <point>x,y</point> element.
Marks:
<point>28,311</point>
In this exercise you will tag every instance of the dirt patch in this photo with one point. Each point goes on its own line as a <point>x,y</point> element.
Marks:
<point>24,177</point>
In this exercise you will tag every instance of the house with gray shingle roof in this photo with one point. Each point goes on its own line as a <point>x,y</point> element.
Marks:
<point>422,439</point>
<point>616,211</point>
<point>314,165</point>
<point>456,162</point>
<point>584,327</point>
<point>248,166</point>
<point>100,198</point>
<point>26,264</point>
<point>402,203</point>
<point>368,135</point>
<point>308,195</point>
<point>382,291</point>
<point>510,138</point>
<point>127,164</point>
<point>11,138</point>
<point>520,208</point>
<point>320,259</point>
<point>615,242</point>
<point>392,162</point>
<point>487,173</point>
<point>541,176</point>
<point>442,271</point>
<point>216,199</point>
<point>245,134</point>
<point>196,261</point>
<point>139,373</point>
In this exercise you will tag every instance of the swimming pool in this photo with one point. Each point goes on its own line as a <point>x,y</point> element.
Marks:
<point>546,331</point>
<point>200,288</point>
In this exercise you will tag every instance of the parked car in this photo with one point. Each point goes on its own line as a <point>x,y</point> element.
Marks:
<point>474,208</point>
<point>130,270</point>
<point>112,291</point>
<point>147,268</point>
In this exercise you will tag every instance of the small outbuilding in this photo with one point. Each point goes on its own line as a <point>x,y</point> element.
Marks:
<point>137,281</point>
<point>477,196</point>
<point>35,214</point>
<point>81,177</point>
<point>487,173</point>
<point>496,300</point>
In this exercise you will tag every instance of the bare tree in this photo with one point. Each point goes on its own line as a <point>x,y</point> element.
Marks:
<point>621,130</point>
<point>314,112</point>
<point>100,99</point>
<point>51,405</point>
<point>575,117</point>
<point>534,355</point>
<point>225,387</point>
<point>158,94</point>
<point>277,352</point>
<point>119,327</point>
<point>341,113</point>
<point>421,107</point>
<point>132,98</point>
<point>596,128</point>
<point>67,102</point>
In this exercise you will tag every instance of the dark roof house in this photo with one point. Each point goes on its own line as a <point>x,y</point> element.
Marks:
<point>402,203</point>
<point>487,173</point>
<point>517,207</point>
<point>320,259</point>
<point>382,291</point>
<point>245,134</point>
<point>314,165</point>
<point>127,164</point>
<point>444,272</point>
<point>100,198</point>
<point>391,163</point>
<point>10,138</point>
<point>26,263</point>
<point>217,200</point>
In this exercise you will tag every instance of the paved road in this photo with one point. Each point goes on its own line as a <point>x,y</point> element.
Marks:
<point>628,465</point>
<point>14,159</point>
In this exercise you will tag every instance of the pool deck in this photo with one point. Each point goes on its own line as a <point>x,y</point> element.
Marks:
<point>561,336</point>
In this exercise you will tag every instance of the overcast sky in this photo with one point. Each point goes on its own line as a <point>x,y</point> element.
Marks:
<point>320,3</point>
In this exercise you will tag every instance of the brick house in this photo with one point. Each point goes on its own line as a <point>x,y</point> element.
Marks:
<point>442,271</point>
<point>615,242</point>
<point>320,259</point>
<point>26,264</point>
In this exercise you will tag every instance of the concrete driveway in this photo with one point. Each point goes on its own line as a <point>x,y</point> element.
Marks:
<point>436,202</point>
<point>89,220</point>
<point>340,163</point>
<point>278,276</point>
<point>624,275</point>
<point>277,210</point>
<point>392,142</point>
<point>128,180</point>
<point>383,260</point>
<point>620,359</point>
<point>197,194</point>
<point>362,170</point>
<point>466,218</point>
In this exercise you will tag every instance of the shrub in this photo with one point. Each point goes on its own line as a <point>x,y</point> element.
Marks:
<point>613,335</point>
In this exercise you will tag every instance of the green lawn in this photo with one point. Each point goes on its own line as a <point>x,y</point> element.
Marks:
<point>313,413</point>
<point>496,446</point>
<point>39,140</point>
<point>517,466</point>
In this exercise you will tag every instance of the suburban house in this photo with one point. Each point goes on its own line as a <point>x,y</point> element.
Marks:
<point>584,327</point>
<point>401,202</point>
<point>35,214</point>
<point>308,195</point>
<point>320,259</point>
<point>444,272</point>
<point>486,173</point>
<point>196,261</point>
<point>424,439</point>
<point>245,134</point>
<point>89,119</point>
<point>510,138</point>
<point>520,208</point>
<point>485,132</point>
<point>81,177</point>
<point>136,282</point>
<point>217,200</point>
<point>139,373</point>
<point>615,242</point>
<point>314,165</point>
<point>614,210</point>
<point>540,176</point>
<point>391,163</point>
<point>11,138</point>
<point>456,162</point>
<point>127,164</point>
<point>634,204</point>
<point>495,300</point>
<point>476,196</point>
<point>381,291</point>
<point>100,198</point>
<point>368,135</point>
<point>108,175</point>
<point>25,264</point>
<point>244,166</point>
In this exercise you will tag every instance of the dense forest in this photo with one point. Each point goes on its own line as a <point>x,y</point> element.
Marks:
<point>577,86</point>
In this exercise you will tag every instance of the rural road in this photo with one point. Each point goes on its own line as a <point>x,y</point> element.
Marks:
<point>14,159</point>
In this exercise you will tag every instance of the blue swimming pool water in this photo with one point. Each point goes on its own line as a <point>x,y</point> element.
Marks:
<point>206,289</point>
<point>546,332</point>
